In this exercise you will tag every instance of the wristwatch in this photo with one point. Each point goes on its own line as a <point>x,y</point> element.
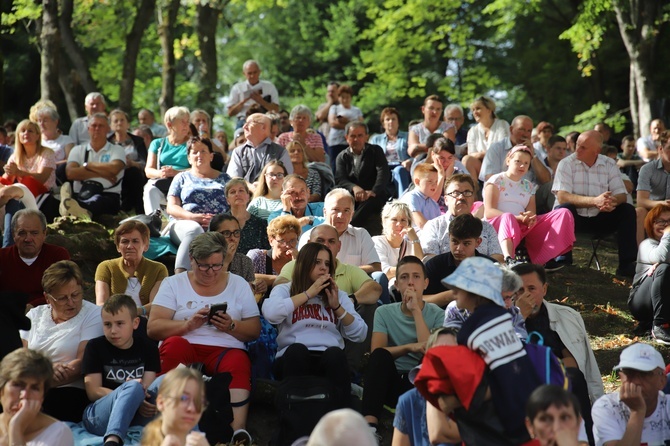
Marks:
<point>85,166</point>
<point>232,326</point>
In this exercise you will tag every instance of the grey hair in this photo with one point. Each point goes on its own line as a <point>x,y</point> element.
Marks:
<point>511,282</point>
<point>99,116</point>
<point>393,208</point>
<point>207,244</point>
<point>301,109</point>
<point>51,112</point>
<point>250,62</point>
<point>342,427</point>
<point>339,192</point>
<point>451,107</point>
<point>354,124</point>
<point>176,112</point>
<point>94,95</point>
<point>27,213</point>
<point>200,111</point>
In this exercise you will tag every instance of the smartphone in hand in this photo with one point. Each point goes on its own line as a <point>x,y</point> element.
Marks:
<point>216,308</point>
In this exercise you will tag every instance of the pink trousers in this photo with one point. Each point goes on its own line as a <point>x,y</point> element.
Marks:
<point>552,235</point>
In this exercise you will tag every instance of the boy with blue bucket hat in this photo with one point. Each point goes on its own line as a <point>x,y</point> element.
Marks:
<point>489,331</point>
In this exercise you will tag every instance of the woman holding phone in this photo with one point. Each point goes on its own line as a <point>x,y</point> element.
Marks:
<point>206,315</point>
<point>313,318</point>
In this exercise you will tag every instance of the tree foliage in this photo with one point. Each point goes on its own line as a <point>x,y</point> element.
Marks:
<point>552,60</point>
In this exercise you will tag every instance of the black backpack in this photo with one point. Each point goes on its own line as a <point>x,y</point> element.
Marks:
<point>301,402</point>
<point>216,419</point>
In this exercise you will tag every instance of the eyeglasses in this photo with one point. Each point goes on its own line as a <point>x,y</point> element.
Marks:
<point>273,176</point>
<point>458,193</point>
<point>662,222</point>
<point>186,401</point>
<point>290,243</point>
<point>74,297</point>
<point>236,233</point>
<point>204,267</point>
<point>632,373</point>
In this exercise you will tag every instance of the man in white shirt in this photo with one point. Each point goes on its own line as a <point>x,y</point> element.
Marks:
<point>639,413</point>
<point>97,161</point>
<point>251,91</point>
<point>589,185</point>
<point>459,197</point>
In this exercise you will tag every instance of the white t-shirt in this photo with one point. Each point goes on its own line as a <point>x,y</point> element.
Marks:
<point>610,417</point>
<point>336,136</point>
<point>176,293</point>
<point>477,141</point>
<point>58,145</point>
<point>387,254</point>
<point>60,342</point>
<point>55,434</point>
<point>110,152</point>
<point>513,196</point>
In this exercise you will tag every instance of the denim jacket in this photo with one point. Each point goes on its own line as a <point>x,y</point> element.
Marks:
<point>401,143</point>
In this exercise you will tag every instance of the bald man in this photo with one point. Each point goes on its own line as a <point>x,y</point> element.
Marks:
<point>590,186</point>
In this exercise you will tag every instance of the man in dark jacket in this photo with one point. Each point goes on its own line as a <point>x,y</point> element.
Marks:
<point>362,169</point>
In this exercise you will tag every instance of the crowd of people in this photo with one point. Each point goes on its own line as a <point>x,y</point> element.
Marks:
<point>401,266</point>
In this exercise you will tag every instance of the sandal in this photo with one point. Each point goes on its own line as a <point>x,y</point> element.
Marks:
<point>241,438</point>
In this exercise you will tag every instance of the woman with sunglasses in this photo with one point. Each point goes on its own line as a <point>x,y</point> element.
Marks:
<point>206,315</point>
<point>195,196</point>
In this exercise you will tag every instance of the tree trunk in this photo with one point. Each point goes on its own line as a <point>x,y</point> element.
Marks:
<point>68,82</point>
<point>50,50</point>
<point>133,40</point>
<point>166,22</point>
<point>638,22</point>
<point>632,97</point>
<point>76,56</point>
<point>207,19</point>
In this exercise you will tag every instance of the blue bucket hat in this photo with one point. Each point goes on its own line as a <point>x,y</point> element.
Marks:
<point>479,276</point>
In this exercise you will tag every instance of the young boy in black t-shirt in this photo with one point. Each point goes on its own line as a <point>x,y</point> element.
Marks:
<point>119,374</point>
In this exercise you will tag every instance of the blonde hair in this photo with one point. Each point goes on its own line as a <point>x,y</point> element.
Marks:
<point>174,384</point>
<point>486,102</point>
<point>294,143</point>
<point>19,150</point>
<point>175,113</point>
<point>39,106</point>
<point>392,208</point>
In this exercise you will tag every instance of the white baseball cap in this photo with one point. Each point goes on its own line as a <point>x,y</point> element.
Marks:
<point>642,357</point>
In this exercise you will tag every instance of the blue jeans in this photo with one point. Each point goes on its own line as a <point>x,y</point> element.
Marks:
<point>115,412</point>
<point>11,208</point>
<point>381,279</point>
<point>401,177</point>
